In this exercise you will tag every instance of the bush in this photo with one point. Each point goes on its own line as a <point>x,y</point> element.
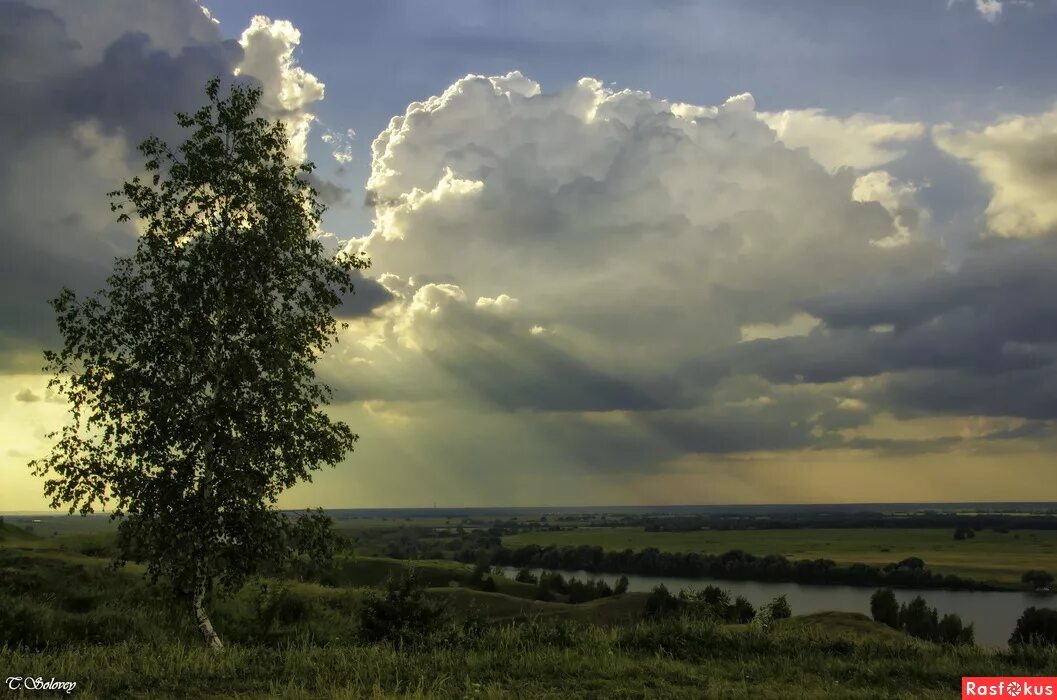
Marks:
<point>953,631</point>
<point>400,614</point>
<point>884,608</point>
<point>275,605</point>
<point>622,586</point>
<point>526,576</point>
<point>919,620</point>
<point>741,612</point>
<point>778,609</point>
<point>1037,579</point>
<point>660,603</point>
<point>710,601</point>
<point>1036,627</point>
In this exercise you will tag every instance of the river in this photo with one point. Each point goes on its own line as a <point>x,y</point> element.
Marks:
<point>993,614</point>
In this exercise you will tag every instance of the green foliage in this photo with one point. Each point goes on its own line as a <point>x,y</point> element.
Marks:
<point>741,612</point>
<point>622,586</point>
<point>660,603</point>
<point>526,576</point>
<point>917,619</point>
<point>884,608</point>
<point>131,644</point>
<point>1037,579</point>
<point>952,631</point>
<point>274,605</point>
<point>191,381</point>
<point>778,609</point>
<point>1036,626</point>
<point>400,614</point>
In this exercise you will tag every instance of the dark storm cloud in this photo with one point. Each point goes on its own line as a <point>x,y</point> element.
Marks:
<point>59,235</point>
<point>367,295</point>
<point>1026,393</point>
<point>978,340</point>
<point>1010,287</point>
<point>330,193</point>
<point>137,88</point>
<point>72,119</point>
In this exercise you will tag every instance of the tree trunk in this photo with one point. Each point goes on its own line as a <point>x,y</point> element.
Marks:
<point>212,639</point>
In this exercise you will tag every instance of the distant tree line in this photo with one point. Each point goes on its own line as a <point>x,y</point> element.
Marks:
<point>733,565</point>
<point>958,521</point>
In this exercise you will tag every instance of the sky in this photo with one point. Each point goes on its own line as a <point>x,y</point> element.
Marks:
<point>622,253</point>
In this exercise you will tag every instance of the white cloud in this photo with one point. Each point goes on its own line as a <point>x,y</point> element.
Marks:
<point>861,141</point>
<point>899,199</point>
<point>288,90</point>
<point>637,237</point>
<point>341,144</point>
<point>499,304</point>
<point>618,216</point>
<point>1017,157</point>
<point>799,324</point>
<point>989,9</point>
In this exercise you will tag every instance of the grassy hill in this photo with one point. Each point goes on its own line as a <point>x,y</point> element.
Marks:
<point>67,615</point>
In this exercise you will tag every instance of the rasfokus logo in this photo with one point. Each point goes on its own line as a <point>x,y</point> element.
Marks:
<point>1009,687</point>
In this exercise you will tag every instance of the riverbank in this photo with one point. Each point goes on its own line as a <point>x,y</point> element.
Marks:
<point>993,614</point>
<point>988,558</point>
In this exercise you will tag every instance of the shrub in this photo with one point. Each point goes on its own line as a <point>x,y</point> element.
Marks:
<point>400,613</point>
<point>1036,627</point>
<point>919,620</point>
<point>1037,579</point>
<point>884,608</point>
<point>622,586</point>
<point>660,603</point>
<point>953,631</point>
<point>526,576</point>
<point>741,612</point>
<point>779,609</point>
<point>276,605</point>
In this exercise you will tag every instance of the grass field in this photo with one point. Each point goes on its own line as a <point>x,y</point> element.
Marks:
<point>67,616</point>
<point>990,557</point>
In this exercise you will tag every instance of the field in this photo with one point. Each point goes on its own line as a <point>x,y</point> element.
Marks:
<point>990,557</point>
<point>67,615</point>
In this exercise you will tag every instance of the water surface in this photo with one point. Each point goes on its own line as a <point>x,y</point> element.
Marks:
<point>993,614</point>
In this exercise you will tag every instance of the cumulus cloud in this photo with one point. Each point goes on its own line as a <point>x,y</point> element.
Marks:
<point>26,395</point>
<point>861,141</point>
<point>288,89</point>
<point>83,83</point>
<point>592,251</point>
<point>1017,157</point>
<point>678,279</point>
<point>898,198</point>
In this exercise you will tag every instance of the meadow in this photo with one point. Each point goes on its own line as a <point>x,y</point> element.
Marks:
<point>68,615</point>
<point>991,557</point>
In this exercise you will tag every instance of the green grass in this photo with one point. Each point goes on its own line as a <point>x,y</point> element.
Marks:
<point>990,557</point>
<point>676,659</point>
<point>69,616</point>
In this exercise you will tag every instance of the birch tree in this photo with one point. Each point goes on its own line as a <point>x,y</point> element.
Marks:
<point>190,376</point>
